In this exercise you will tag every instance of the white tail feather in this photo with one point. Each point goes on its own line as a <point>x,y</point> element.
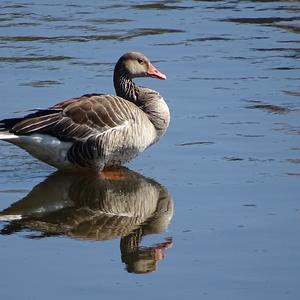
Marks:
<point>7,136</point>
<point>10,217</point>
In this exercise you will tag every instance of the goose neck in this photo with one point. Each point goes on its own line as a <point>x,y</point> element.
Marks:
<point>124,86</point>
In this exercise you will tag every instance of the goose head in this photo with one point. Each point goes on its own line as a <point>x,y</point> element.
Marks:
<point>135,64</point>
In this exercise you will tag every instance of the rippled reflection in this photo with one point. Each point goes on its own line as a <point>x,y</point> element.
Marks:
<point>93,208</point>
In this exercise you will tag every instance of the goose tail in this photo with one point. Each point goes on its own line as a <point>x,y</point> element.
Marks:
<point>7,136</point>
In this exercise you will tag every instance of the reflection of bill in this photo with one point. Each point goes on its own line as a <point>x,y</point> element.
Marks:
<point>94,208</point>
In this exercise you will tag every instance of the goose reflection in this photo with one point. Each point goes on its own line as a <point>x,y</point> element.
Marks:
<point>93,208</point>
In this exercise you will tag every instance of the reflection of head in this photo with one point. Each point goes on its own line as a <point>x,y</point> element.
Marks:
<point>141,260</point>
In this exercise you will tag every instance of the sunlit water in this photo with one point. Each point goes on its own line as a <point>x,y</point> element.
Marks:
<point>220,216</point>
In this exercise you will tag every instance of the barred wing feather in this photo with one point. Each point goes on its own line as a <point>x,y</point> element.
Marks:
<point>77,118</point>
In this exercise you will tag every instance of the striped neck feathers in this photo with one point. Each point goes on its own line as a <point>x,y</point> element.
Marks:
<point>125,87</point>
<point>149,101</point>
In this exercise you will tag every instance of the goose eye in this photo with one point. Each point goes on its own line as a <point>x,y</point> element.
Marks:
<point>140,61</point>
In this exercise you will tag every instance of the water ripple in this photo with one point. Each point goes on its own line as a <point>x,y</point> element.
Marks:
<point>158,6</point>
<point>271,108</point>
<point>21,59</point>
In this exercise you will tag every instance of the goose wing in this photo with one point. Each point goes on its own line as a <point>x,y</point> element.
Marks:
<point>77,118</point>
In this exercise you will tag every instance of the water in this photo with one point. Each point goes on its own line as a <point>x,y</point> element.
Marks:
<point>220,217</point>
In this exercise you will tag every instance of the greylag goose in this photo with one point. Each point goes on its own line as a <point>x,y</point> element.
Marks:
<point>96,131</point>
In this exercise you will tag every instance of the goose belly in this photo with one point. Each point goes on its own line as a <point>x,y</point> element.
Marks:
<point>123,146</point>
<point>46,148</point>
<point>121,156</point>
